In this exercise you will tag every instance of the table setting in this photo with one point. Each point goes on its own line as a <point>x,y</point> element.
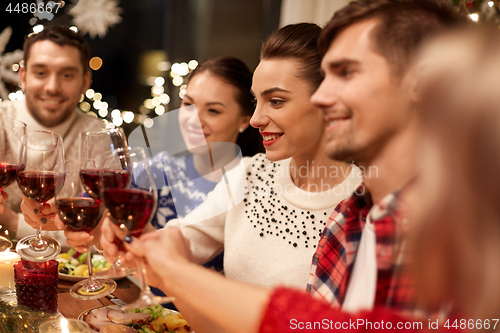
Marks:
<point>44,290</point>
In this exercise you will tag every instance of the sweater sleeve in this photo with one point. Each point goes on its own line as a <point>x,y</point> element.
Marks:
<point>291,310</point>
<point>205,225</point>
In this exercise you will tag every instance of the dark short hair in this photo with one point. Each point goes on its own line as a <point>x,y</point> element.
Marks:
<point>62,36</point>
<point>297,41</point>
<point>234,72</point>
<point>404,25</point>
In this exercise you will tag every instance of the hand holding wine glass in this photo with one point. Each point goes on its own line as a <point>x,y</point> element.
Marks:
<point>81,213</point>
<point>34,214</point>
<point>131,209</point>
<point>11,132</point>
<point>40,176</point>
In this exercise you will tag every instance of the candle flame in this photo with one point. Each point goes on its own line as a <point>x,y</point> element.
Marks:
<point>64,325</point>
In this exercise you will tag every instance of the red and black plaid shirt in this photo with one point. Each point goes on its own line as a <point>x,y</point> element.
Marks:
<point>334,258</point>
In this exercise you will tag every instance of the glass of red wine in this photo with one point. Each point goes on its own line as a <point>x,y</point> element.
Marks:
<point>40,175</point>
<point>105,158</point>
<point>131,209</point>
<point>11,132</point>
<point>82,213</point>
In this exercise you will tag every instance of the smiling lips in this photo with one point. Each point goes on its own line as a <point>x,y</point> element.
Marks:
<point>196,136</point>
<point>270,138</point>
<point>51,102</point>
<point>333,123</point>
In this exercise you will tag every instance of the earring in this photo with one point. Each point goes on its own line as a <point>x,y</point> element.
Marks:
<point>241,130</point>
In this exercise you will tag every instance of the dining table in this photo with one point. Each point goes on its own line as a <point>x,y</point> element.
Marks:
<point>71,307</point>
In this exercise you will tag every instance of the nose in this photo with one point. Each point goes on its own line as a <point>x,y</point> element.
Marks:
<point>53,84</point>
<point>195,118</point>
<point>324,96</point>
<point>259,118</point>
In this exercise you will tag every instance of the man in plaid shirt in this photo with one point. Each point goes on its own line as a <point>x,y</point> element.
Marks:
<point>368,96</point>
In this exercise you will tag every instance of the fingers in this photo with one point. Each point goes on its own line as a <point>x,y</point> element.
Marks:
<point>49,207</point>
<point>78,239</point>
<point>106,240</point>
<point>59,223</point>
<point>3,196</point>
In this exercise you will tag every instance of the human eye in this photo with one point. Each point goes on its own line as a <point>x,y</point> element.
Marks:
<point>276,102</point>
<point>345,72</point>
<point>39,73</point>
<point>213,111</point>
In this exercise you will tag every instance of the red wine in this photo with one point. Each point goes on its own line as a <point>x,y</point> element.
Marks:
<point>7,174</point>
<point>39,186</point>
<point>112,178</point>
<point>130,207</point>
<point>79,214</point>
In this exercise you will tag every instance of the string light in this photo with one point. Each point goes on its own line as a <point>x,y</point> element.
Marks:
<point>96,107</point>
<point>474,17</point>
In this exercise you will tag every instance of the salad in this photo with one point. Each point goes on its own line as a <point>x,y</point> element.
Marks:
<point>75,263</point>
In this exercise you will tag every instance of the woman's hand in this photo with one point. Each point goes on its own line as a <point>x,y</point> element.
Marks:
<point>34,214</point>
<point>110,231</point>
<point>81,240</point>
<point>160,250</point>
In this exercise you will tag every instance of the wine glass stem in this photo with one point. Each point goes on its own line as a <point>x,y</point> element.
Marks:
<point>142,271</point>
<point>93,284</point>
<point>89,263</point>
<point>39,244</point>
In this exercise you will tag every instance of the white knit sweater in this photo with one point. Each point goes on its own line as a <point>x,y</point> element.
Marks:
<point>269,238</point>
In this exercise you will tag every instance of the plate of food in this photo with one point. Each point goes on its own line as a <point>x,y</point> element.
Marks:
<point>73,265</point>
<point>152,319</point>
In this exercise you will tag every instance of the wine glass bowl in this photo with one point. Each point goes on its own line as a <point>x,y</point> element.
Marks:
<point>131,209</point>
<point>40,176</point>
<point>11,132</point>
<point>105,160</point>
<point>80,213</point>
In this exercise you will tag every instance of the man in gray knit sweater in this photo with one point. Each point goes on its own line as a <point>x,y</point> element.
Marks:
<point>54,76</point>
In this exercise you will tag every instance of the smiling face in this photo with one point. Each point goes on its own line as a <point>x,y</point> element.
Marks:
<point>289,124</point>
<point>363,102</point>
<point>217,116</point>
<point>53,80</point>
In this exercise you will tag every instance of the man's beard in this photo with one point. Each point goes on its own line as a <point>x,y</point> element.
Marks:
<point>34,110</point>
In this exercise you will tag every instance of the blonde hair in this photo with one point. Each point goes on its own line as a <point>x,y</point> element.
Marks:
<point>456,237</point>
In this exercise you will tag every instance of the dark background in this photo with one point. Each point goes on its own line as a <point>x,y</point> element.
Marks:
<point>184,29</point>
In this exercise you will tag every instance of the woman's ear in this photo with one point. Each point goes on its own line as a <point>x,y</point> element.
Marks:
<point>245,122</point>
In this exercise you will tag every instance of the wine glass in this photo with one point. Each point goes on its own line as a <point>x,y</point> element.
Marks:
<point>80,213</point>
<point>40,176</point>
<point>104,158</point>
<point>11,132</point>
<point>131,209</point>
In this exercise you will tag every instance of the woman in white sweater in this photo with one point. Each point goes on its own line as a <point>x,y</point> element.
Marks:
<point>269,236</point>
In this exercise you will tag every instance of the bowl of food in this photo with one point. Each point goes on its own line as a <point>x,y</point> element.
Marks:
<point>73,265</point>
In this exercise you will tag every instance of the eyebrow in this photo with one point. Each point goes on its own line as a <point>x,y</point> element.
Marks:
<point>209,103</point>
<point>273,90</point>
<point>342,62</point>
<point>71,68</point>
